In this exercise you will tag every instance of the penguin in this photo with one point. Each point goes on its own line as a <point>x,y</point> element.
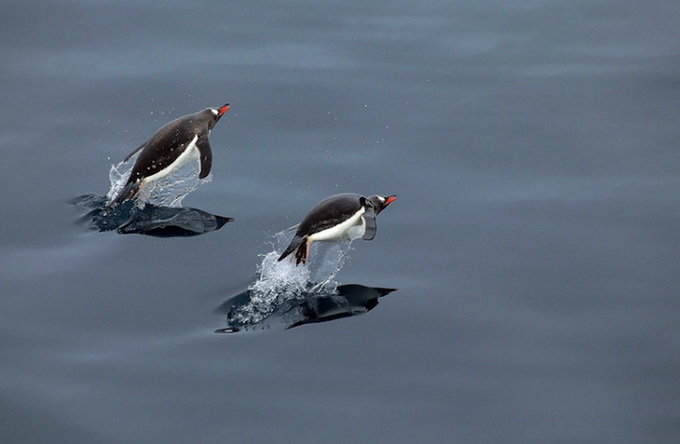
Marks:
<point>168,148</point>
<point>342,217</point>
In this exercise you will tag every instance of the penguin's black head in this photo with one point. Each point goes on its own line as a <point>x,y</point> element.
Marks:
<point>214,114</point>
<point>379,203</point>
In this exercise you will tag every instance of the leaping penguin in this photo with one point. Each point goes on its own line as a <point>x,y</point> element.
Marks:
<point>342,217</point>
<point>167,149</point>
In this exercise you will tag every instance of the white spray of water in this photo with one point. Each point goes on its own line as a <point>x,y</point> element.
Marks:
<point>168,191</point>
<point>118,176</point>
<point>279,282</point>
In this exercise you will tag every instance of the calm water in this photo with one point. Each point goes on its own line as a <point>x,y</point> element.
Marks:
<point>534,245</point>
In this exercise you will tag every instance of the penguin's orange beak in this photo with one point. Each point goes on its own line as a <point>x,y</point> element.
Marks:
<point>390,199</point>
<point>223,110</point>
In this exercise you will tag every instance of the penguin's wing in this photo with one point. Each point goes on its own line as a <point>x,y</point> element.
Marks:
<point>138,149</point>
<point>203,146</point>
<point>369,221</point>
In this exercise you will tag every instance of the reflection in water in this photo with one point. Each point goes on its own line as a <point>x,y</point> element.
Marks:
<point>309,307</point>
<point>288,295</point>
<point>143,218</point>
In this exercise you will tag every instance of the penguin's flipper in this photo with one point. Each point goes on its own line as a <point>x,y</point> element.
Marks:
<point>138,149</point>
<point>203,146</point>
<point>369,221</point>
<point>298,243</point>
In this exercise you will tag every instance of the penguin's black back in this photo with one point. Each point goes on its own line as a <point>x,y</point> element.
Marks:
<point>164,147</point>
<point>330,212</point>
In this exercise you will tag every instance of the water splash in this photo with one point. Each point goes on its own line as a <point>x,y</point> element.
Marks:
<point>168,191</point>
<point>280,283</point>
<point>118,176</point>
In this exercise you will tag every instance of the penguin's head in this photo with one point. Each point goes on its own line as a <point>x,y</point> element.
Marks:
<point>379,203</point>
<point>212,115</point>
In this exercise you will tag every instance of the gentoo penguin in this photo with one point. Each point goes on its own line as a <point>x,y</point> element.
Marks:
<point>167,149</point>
<point>342,217</point>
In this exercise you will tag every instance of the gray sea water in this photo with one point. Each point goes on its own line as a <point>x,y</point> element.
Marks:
<point>534,245</point>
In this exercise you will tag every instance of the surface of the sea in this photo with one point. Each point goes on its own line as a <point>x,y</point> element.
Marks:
<point>534,246</point>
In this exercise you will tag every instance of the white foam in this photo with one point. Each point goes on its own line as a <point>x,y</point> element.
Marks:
<point>279,282</point>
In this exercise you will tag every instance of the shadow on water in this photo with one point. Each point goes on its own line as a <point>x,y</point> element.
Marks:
<point>143,218</point>
<point>308,308</point>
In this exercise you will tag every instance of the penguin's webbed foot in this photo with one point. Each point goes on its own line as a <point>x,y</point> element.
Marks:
<point>302,253</point>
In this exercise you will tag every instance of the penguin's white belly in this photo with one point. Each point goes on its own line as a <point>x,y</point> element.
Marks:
<point>352,228</point>
<point>189,155</point>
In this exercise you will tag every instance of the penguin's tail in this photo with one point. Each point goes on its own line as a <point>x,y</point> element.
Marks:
<point>129,191</point>
<point>299,245</point>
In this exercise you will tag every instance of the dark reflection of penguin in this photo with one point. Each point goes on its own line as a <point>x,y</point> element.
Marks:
<point>358,299</point>
<point>150,220</point>
<point>170,148</point>
<point>314,307</point>
<point>341,217</point>
<point>171,222</point>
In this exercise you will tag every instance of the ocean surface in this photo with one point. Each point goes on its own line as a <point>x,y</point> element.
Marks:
<point>534,246</point>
